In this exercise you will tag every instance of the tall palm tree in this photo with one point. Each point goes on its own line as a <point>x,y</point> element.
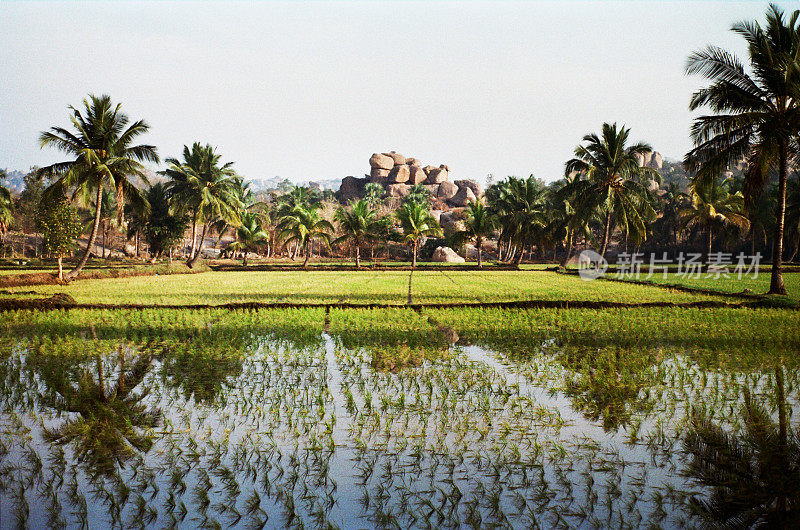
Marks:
<point>756,114</point>
<point>610,180</point>
<point>478,225</point>
<point>753,478</point>
<point>519,206</point>
<point>205,190</point>
<point>6,210</point>
<point>249,235</point>
<point>713,207</point>
<point>104,155</point>
<point>302,225</point>
<point>417,222</point>
<point>357,224</point>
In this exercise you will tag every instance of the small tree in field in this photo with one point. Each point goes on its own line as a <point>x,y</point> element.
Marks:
<point>59,224</point>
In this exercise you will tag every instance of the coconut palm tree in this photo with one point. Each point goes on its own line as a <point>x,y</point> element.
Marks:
<point>755,115</point>
<point>162,229</point>
<point>713,207</point>
<point>249,235</point>
<point>104,155</point>
<point>478,226</point>
<point>205,190</point>
<point>417,222</point>
<point>609,179</point>
<point>6,210</point>
<point>520,209</point>
<point>302,225</point>
<point>357,224</point>
<point>754,477</point>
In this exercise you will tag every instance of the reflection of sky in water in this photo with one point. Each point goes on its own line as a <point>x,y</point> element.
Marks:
<point>290,438</point>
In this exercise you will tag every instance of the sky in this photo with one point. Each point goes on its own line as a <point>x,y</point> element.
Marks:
<point>309,90</point>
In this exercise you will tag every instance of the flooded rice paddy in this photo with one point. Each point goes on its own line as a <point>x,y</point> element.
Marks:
<point>388,420</point>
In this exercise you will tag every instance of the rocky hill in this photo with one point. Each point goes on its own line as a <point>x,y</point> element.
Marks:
<point>397,174</point>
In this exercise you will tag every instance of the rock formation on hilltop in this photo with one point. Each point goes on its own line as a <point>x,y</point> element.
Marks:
<point>397,173</point>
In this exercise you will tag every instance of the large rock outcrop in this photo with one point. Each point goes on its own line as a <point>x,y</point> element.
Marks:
<point>397,173</point>
<point>352,188</point>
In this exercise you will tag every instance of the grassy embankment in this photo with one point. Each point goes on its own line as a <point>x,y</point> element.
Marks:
<point>377,287</point>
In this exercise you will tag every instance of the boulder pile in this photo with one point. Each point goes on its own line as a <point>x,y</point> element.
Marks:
<point>397,173</point>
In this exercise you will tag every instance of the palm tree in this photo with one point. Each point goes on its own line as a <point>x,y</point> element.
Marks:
<point>520,209</point>
<point>713,207</point>
<point>104,156</point>
<point>754,478</point>
<point>358,224</point>
<point>478,225</point>
<point>756,116</point>
<point>204,189</point>
<point>417,222</point>
<point>162,229</point>
<point>610,180</point>
<point>249,235</point>
<point>302,225</point>
<point>6,210</point>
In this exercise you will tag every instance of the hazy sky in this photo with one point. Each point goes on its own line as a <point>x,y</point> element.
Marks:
<point>309,90</point>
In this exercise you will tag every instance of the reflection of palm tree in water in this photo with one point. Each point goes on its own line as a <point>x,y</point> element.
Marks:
<point>754,478</point>
<point>112,423</point>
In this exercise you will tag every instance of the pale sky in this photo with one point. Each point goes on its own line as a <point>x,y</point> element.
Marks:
<point>309,90</point>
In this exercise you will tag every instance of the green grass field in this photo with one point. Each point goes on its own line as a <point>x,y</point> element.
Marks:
<point>355,287</point>
<point>730,285</point>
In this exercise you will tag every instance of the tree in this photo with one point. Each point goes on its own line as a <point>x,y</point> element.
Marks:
<point>418,193</point>
<point>417,222</point>
<point>302,225</point>
<point>609,179</point>
<point>519,207</point>
<point>6,210</point>
<point>104,156</point>
<point>59,224</point>
<point>162,229</point>
<point>205,190</point>
<point>358,224</point>
<point>478,225</point>
<point>713,207</point>
<point>373,191</point>
<point>756,114</point>
<point>249,235</point>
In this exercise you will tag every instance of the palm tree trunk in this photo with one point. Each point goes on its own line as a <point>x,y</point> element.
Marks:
<point>606,234</point>
<point>414,254</point>
<point>196,256</point>
<point>137,244</point>
<point>708,245</point>
<point>308,254</point>
<point>776,281</point>
<point>105,233</point>
<point>569,248</point>
<point>244,258</point>
<point>358,256</point>
<point>92,236</point>
<point>194,235</point>
<point>60,269</point>
<point>479,243</point>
